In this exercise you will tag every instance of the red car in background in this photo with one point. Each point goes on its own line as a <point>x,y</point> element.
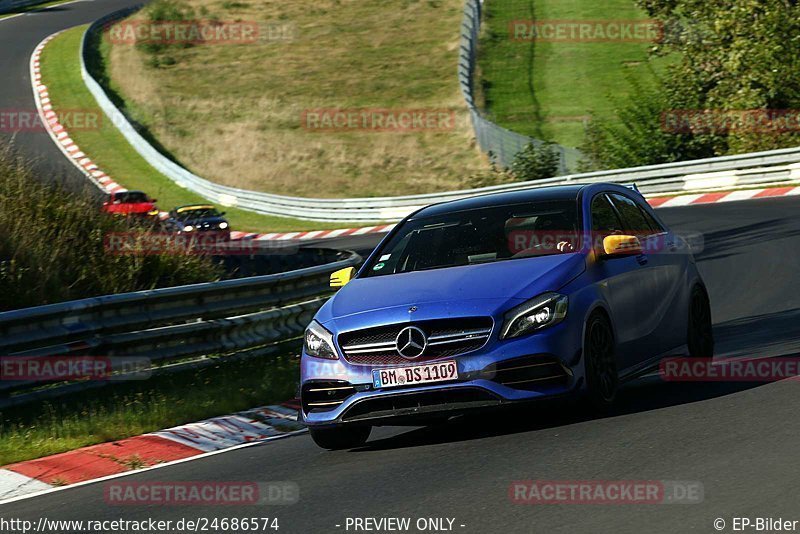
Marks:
<point>131,203</point>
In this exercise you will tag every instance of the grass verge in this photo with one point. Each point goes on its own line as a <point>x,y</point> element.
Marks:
<point>128,409</point>
<point>53,247</point>
<point>549,90</point>
<point>60,64</point>
<point>233,113</point>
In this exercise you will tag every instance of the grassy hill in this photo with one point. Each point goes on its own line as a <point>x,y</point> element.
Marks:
<point>234,113</point>
<point>549,88</point>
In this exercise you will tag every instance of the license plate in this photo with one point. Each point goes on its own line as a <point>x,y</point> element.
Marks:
<point>415,375</point>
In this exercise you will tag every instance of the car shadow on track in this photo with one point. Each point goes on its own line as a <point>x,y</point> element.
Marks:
<point>764,335</point>
<point>642,395</point>
<point>768,337</point>
<point>723,244</point>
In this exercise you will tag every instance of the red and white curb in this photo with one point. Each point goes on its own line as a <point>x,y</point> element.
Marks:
<point>149,450</point>
<point>727,196</point>
<point>316,234</point>
<point>108,185</point>
<point>58,132</point>
<point>72,152</point>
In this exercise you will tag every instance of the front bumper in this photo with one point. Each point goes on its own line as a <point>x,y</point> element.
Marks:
<point>549,362</point>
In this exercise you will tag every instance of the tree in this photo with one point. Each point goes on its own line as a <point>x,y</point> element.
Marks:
<point>734,56</point>
<point>643,133</point>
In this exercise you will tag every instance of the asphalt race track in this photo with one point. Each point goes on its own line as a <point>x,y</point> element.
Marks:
<point>740,440</point>
<point>18,37</point>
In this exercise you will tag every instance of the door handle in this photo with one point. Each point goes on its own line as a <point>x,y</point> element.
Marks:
<point>642,259</point>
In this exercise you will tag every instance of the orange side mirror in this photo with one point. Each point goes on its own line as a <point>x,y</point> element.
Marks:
<point>621,245</point>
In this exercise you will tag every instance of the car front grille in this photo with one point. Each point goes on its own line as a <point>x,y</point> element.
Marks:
<point>446,338</point>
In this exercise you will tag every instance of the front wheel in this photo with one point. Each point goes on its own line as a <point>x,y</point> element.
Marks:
<point>602,378</point>
<point>700,338</point>
<point>340,437</point>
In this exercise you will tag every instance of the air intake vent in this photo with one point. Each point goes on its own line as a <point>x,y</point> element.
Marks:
<point>325,396</point>
<point>420,403</point>
<point>529,373</point>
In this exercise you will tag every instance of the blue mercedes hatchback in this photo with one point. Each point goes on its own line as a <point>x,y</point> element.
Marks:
<point>500,299</point>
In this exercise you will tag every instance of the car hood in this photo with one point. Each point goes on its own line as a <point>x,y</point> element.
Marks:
<point>469,290</point>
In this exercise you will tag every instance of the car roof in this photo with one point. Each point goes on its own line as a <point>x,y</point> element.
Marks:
<point>523,196</point>
<point>192,207</point>
<point>507,198</point>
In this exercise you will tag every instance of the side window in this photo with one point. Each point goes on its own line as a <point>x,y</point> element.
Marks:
<point>604,217</point>
<point>633,220</point>
<point>654,224</point>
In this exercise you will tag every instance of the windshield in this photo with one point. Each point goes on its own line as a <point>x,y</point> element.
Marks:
<point>130,197</point>
<point>200,213</point>
<point>482,235</point>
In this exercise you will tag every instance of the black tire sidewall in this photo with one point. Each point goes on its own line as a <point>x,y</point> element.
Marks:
<point>594,395</point>
<point>698,348</point>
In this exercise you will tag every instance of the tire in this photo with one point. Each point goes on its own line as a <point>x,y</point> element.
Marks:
<point>700,335</point>
<point>340,437</point>
<point>602,377</point>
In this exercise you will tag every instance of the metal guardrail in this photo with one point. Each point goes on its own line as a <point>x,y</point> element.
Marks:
<point>164,325</point>
<point>501,143</point>
<point>728,172</point>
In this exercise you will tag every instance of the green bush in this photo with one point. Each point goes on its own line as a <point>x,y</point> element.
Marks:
<point>640,135</point>
<point>536,162</point>
<point>53,247</point>
<point>166,11</point>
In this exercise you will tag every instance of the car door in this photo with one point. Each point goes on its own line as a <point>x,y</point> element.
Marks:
<point>622,280</point>
<point>665,314</point>
<point>662,291</point>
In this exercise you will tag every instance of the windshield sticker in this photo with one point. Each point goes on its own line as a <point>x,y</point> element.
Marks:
<point>379,266</point>
<point>385,257</point>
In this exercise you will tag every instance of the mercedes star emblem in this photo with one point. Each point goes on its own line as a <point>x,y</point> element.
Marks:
<point>411,342</point>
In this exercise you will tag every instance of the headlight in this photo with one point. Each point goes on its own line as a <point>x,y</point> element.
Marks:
<point>188,228</point>
<point>319,342</point>
<point>223,225</point>
<point>543,311</point>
